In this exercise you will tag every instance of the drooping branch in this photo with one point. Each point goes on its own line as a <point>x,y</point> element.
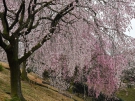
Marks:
<point>43,5</point>
<point>63,12</point>
<point>2,44</point>
<point>31,16</point>
<point>6,26</point>
<point>21,8</point>
<point>4,21</point>
<point>29,7</point>
<point>28,23</point>
<point>29,53</point>
<point>54,23</point>
<point>38,21</point>
<point>22,13</point>
<point>32,12</point>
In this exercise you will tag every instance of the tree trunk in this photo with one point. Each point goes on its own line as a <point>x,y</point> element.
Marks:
<point>12,56</point>
<point>24,73</point>
<point>15,78</point>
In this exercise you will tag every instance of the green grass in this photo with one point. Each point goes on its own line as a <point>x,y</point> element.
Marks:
<point>4,85</point>
<point>38,93</point>
<point>31,93</point>
<point>127,95</point>
<point>1,67</point>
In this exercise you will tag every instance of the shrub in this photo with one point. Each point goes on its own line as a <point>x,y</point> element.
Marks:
<point>45,75</point>
<point>128,77</point>
<point>29,70</point>
<point>78,88</point>
<point>102,97</point>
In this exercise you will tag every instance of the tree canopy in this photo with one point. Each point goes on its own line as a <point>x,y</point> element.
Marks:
<point>68,33</point>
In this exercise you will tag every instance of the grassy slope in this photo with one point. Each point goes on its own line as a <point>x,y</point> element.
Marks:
<point>38,93</point>
<point>30,92</point>
<point>127,95</point>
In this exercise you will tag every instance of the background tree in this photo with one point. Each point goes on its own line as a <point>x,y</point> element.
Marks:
<point>76,24</point>
<point>22,18</point>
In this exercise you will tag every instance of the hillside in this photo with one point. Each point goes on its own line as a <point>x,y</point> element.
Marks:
<point>44,92</point>
<point>32,92</point>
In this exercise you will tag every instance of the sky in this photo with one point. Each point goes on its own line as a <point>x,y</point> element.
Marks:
<point>132,31</point>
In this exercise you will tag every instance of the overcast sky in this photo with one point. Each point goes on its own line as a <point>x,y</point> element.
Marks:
<point>132,31</point>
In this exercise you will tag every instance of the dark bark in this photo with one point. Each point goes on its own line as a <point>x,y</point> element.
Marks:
<point>15,80</point>
<point>12,48</point>
<point>24,73</point>
<point>12,55</point>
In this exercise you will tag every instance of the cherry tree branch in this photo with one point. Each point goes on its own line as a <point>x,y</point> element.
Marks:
<point>22,8</point>
<point>38,21</point>
<point>5,15</point>
<point>31,17</point>
<point>63,12</point>
<point>2,44</point>
<point>40,8</point>
<point>54,23</point>
<point>4,21</point>
<point>30,20</point>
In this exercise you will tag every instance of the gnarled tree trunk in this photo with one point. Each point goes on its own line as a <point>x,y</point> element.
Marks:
<point>24,73</point>
<point>12,56</point>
